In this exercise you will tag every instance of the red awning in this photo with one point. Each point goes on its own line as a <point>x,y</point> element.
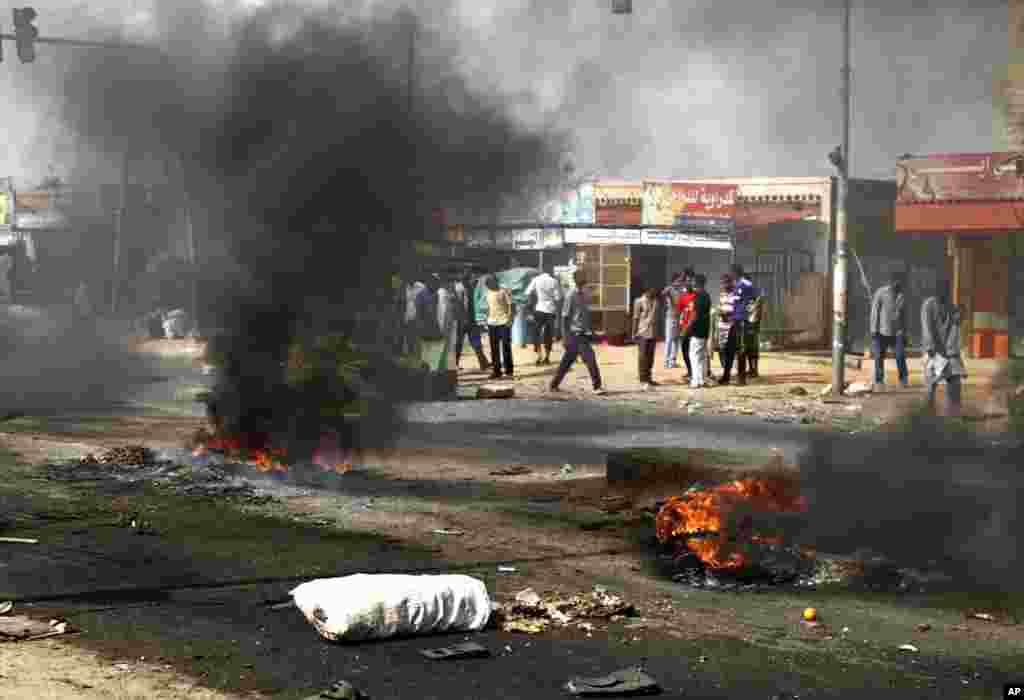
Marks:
<point>960,217</point>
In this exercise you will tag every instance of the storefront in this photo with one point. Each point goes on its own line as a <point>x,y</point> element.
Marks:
<point>976,203</point>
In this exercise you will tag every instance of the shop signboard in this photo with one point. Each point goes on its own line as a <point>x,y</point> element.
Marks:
<point>552,239</point>
<point>702,200</point>
<point>618,236</point>
<point>577,206</point>
<point>528,239</point>
<point>618,204</point>
<point>959,176</point>
<point>657,204</point>
<point>5,209</point>
<point>679,239</point>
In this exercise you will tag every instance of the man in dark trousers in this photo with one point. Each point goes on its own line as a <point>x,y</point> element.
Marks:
<point>889,329</point>
<point>465,291</point>
<point>645,332</point>
<point>579,335</point>
<point>745,295</point>
<point>940,336</point>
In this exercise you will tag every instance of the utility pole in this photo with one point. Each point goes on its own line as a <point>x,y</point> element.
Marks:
<point>842,162</point>
<point>410,19</point>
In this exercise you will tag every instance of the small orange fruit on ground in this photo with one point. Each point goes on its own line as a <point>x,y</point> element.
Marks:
<point>810,614</point>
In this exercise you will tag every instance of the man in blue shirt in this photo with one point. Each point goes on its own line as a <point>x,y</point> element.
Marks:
<point>746,338</point>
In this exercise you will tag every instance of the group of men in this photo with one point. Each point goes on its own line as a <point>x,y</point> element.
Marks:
<point>697,329</point>
<point>940,339</point>
<point>435,308</point>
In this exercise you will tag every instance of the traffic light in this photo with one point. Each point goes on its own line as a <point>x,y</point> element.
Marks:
<point>25,34</point>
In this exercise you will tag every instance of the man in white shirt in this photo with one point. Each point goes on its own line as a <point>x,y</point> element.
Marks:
<point>547,292</point>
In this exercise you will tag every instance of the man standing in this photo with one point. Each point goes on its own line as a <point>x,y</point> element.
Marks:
<point>548,294</point>
<point>645,312</point>
<point>745,295</point>
<point>578,335</point>
<point>697,331</point>
<point>409,331</point>
<point>685,309</point>
<point>465,291</point>
<point>940,335</point>
<point>888,330</point>
<point>500,315</point>
<point>671,295</point>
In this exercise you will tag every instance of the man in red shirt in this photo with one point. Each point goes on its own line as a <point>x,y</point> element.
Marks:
<point>685,309</point>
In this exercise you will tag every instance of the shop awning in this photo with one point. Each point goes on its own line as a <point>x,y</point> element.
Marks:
<point>960,217</point>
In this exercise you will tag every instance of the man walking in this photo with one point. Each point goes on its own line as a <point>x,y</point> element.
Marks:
<point>547,292</point>
<point>671,295</point>
<point>940,335</point>
<point>697,331</point>
<point>645,311</point>
<point>888,330</point>
<point>578,335</point>
<point>465,291</point>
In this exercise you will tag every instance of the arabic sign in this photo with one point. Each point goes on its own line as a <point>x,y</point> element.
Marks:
<point>603,235</point>
<point>763,214</point>
<point>703,200</point>
<point>538,239</point>
<point>960,176</point>
<point>618,204</point>
<point>679,239</point>
<point>657,204</point>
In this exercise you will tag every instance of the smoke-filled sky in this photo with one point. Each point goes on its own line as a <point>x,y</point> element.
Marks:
<point>682,88</point>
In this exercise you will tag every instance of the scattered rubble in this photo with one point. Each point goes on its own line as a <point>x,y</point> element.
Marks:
<point>799,391</point>
<point>532,613</point>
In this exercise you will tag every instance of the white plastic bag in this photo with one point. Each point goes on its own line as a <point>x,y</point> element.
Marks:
<point>377,606</point>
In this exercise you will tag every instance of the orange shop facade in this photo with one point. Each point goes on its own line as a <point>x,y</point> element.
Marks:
<point>976,202</point>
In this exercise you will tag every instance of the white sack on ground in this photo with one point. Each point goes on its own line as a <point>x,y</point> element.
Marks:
<point>377,606</point>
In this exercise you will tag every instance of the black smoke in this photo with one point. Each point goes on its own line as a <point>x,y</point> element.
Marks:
<point>929,496</point>
<point>309,159</point>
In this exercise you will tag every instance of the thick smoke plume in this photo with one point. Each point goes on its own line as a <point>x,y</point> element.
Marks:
<point>308,163</point>
<point>927,497</point>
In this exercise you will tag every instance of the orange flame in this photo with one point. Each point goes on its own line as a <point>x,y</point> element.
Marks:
<point>706,513</point>
<point>253,450</point>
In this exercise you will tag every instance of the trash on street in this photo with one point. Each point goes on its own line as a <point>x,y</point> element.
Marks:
<point>466,650</point>
<point>378,606</point>
<point>630,681</point>
<point>908,647</point>
<point>341,690</point>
